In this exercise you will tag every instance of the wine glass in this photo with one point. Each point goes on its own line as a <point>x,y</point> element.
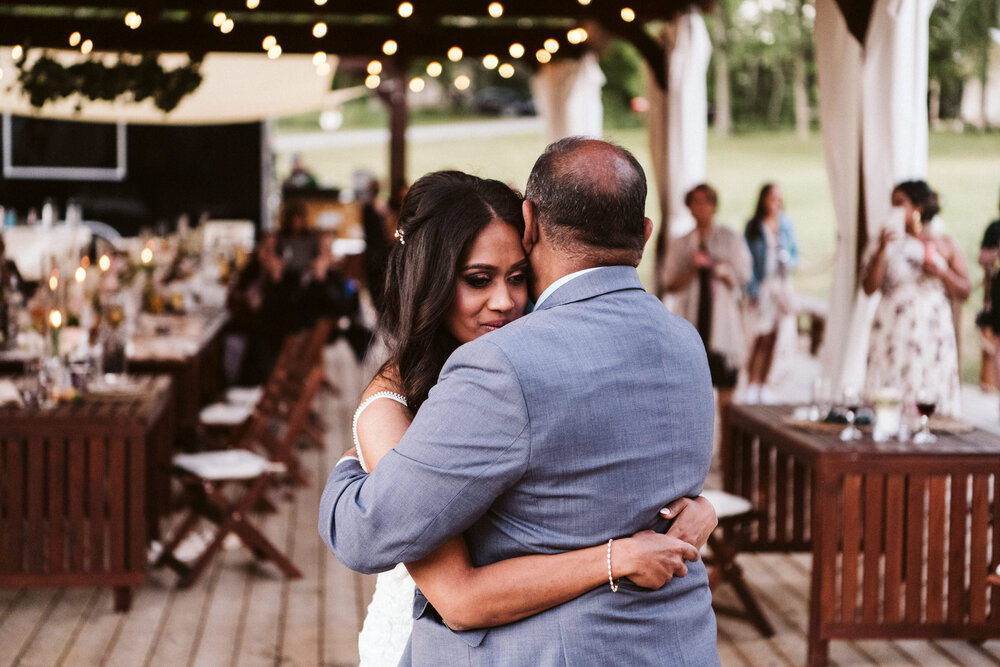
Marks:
<point>852,402</point>
<point>926,403</point>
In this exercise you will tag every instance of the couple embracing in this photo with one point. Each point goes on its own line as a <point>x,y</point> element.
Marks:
<point>519,466</point>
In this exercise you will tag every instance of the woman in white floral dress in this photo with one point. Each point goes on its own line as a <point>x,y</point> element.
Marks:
<point>912,345</point>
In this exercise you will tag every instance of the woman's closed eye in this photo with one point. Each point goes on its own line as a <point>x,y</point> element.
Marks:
<point>478,280</point>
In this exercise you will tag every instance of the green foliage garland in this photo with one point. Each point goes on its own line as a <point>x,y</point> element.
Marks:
<point>47,80</point>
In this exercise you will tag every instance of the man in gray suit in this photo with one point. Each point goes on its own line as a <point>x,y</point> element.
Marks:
<point>564,429</point>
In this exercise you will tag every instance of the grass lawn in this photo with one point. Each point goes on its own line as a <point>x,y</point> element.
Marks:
<point>964,168</point>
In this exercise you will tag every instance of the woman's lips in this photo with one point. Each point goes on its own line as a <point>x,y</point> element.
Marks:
<point>494,324</point>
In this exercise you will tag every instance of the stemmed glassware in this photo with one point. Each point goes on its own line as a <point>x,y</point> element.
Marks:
<point>926,403</point>
<point>852,403</point>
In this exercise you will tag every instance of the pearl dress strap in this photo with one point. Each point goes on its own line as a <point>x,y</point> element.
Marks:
<point>399,398</point>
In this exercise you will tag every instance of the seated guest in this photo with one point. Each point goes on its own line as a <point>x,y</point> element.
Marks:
<point>706,272</point>
<point>296,243</point>
<point>988,260</point>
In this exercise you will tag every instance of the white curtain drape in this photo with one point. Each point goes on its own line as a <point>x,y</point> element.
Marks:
<point>567,94</point>
<point>678,119</point>
<point>873,112</point>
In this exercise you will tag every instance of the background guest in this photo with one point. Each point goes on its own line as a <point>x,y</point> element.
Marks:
<point>706,271</point>
<point>300,178</point>
<point>912,343</point>
<point>377,241</point>
<point>770,235</point>
<point>988,255</point>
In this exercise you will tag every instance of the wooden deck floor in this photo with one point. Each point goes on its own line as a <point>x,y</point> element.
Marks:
<point>244,614</point>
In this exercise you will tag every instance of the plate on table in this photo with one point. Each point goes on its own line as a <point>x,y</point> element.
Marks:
<point>115,386</point>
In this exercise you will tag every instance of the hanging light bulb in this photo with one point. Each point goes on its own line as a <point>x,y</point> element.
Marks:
<point>543,56</point>
<point>373,81</point>
<point>16,52</point>
<point>227,26</point>
<point>495,9</point>
<point>462,82</point>
<point>628,14</point>
<point>405,9</point>
<point>506,70</point>
<point>274,52</point>
<point>74,39</point>
<point>416,84</point>
<point>584,2</point>
<point>87,46</point>
<point>390,47</point>
<point>434,69</point>
<point>319,30</point>
<point>375,67</point>
<point>253,4</point>
<point>319,58</point>
<point>490,61</point>
<point>133,20</point>
<point>455,54</point>
<point>320,3</point>
<point>551,45</point>
<point>516,50</point>
<point>323,69</point>
<point>218,19</point>
<point>268,42</point>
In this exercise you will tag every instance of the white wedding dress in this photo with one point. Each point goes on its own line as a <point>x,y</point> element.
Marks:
<point>390,615</point>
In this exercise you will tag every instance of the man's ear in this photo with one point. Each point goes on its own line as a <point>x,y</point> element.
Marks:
<point>648,231</point>
<point>530,237</point>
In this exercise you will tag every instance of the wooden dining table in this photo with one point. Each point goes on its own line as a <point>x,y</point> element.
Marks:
<point>83,486</point>
<point>903,536</point>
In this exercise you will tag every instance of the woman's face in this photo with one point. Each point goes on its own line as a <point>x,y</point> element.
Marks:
<point>702,209</point>
<point>773,201</point>
<point>899,199</point>
<point>491,287</point>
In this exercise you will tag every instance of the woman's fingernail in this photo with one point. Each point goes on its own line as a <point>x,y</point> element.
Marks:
<point>665,511</point>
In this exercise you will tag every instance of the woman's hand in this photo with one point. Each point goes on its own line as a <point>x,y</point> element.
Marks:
<point>650,559</point>
<point>885,237</point>
<point>694,520</point>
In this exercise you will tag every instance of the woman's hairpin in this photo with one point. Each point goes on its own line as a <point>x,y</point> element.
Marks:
<point>399,235</point>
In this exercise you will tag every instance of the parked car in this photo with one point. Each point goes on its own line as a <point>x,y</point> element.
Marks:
<point>503,102</point>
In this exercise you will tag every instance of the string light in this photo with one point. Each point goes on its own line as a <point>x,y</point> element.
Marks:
<point>16,52</point>
<point>323,69</point>
<point>455,54</point>
<point>495,9</point>
<point>218,19</point>
<point>390,47</point>
<point>375,67</point>
<point>506,70</point>
<point>373,81</point>
<point>628,14</point>
<point>543,56</point>
<point>319,58</point>
<point>87,47</point>
<point>253,4</point>
<point>434,69</point>
<point>319,30</point>
<point>516,50</point>
<point>405,9</point>
<point>274,52</point>
<point>462,82</point>
<point>268,42</point>
<point>133,20</point>
<point>320,3</point>
<point>74,39</point>
<point>227,26</point>
<point>416,84</point>
<point>576,36</point>
<point>584,2</point>
<point>551,45</point>
<point>490,61</point>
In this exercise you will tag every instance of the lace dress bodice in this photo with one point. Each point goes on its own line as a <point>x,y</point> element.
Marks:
<point>389,620</point>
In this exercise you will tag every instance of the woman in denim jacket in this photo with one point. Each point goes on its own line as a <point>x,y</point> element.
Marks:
<point>770,236</point>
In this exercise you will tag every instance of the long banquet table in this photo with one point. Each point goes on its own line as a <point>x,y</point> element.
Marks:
<point>903,536</point>
<point>83,486</point>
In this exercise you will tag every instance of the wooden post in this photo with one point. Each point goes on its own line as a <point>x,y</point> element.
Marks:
<point>392,92</point>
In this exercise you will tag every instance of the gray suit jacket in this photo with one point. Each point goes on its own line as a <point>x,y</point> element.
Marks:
<point>568,427</point>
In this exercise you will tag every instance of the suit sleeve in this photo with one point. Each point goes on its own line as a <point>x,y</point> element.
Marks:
<point>468,444</point>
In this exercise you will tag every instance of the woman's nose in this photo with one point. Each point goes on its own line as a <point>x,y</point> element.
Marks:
<point>501,299</point>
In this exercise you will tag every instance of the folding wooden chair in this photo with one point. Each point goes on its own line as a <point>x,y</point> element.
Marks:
<point>204,476</point>
<point>735,516</point>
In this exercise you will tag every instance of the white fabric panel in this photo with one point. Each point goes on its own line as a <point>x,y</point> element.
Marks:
<point>678,119</point>
<point>567,95</point>
<point>873,110</point>
<point>235,88</point>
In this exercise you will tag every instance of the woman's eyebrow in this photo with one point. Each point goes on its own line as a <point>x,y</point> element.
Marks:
<point>480,267</point>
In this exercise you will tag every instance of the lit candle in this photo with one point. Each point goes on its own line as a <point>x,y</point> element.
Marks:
<point>81,274</point>
<point>55,319</point>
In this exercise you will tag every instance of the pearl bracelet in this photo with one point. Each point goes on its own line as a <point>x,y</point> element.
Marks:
<point>611,580</point>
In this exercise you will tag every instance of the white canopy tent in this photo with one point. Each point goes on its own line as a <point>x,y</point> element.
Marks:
<point>874,118</point>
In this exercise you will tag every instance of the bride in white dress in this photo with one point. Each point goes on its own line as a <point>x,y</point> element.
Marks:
<point>469,229</point>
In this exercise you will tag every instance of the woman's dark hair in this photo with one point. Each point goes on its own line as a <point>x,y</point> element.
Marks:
<point>441,216</point>
<point>921,196</point>
<point>755,224</point>
<point>710,194</point>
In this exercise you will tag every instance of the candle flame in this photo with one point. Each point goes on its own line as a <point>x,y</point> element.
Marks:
<point>55,318</point>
